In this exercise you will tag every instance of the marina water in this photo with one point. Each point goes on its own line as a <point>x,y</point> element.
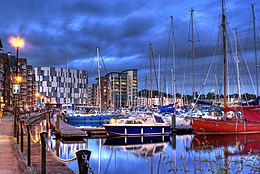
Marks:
<point>173,154</point>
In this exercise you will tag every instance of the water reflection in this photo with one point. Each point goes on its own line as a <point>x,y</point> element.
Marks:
<point>141,146</point>
<point>161,154</point>
<point>109,157</point>
<point>236,153</point>
<point>241,144</point>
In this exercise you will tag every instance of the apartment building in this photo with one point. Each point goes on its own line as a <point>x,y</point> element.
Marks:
<point>119,89</point>
<point>61,85</point>
<point>8,65</point>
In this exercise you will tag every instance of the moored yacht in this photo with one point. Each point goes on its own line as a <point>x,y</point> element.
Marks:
<point>142,124</point>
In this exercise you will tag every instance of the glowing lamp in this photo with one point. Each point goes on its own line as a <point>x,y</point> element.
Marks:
<point>17,42</point>
<point>18,79</point>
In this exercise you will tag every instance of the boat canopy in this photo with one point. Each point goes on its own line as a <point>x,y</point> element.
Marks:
<point>202,102</point>
<point>252,103</point>
<point>251,113</point>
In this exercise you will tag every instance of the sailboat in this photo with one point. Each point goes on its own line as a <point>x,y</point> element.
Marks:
<point>87,114</point>
<point>246,123</point>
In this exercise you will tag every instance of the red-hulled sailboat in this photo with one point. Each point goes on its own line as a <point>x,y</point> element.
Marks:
<point>250,123</point>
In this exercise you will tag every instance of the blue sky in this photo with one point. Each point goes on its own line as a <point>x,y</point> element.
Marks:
<point>123,30</point>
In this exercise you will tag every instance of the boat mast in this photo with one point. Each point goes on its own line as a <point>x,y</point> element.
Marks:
<point>256,62</point>
<point>237,61</point>
<point>67,71</point>
<point>192,54</point>
<point>159,80</point>
<point>99,80</point>
<point>224,32</point>
<point>174,65</point>
<point>151,73</point>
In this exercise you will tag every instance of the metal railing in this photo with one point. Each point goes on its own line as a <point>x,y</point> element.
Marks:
<point>82,156</point>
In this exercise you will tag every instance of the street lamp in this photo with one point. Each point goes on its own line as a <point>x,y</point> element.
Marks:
<point>17,43</point>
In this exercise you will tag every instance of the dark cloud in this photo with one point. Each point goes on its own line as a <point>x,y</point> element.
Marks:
<point>123,31</point>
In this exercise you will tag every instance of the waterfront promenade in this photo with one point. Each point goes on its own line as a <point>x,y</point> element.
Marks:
<point>12,161</point>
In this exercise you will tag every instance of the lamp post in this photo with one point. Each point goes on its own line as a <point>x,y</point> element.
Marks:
<point>17,43</point>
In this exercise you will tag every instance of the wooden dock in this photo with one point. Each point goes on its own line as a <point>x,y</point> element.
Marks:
<point>66,131</point>
<point>95,132</point>
<point>182,129</point>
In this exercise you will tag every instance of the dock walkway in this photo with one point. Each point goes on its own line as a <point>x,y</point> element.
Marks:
<point>67,131</point>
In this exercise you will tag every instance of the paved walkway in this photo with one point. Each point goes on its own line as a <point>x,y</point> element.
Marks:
<point>10,158</point>
<point>12,161</point>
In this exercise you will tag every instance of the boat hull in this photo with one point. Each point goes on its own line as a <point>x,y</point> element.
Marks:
<point>92,118</point>
<point>136,130</point>
<point>214,126</point>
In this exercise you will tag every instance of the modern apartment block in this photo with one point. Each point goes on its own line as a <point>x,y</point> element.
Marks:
<point>119,89</point>
<point>92,95</point>
<point>61,85</point>
<point>132,87</point>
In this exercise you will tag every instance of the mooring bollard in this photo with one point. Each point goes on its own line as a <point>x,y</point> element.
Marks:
<point>83,161</point>
<point>43,152</point>
<point>28,145</point>
<point>21,129</point>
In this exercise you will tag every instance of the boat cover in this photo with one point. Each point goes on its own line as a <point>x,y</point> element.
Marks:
<point>252,103</point>
<point>202,102</point>
<point>251,113</point>
<point>168,108</point>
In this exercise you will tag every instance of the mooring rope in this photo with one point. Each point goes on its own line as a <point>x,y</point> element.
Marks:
<point>56,157</point>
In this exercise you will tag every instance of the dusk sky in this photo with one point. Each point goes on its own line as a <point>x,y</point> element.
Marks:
<point>123,30</point>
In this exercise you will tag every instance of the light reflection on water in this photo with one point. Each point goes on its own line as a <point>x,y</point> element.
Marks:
<point>189,152</point>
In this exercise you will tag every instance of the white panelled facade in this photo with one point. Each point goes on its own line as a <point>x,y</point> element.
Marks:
<point>62,85</point>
